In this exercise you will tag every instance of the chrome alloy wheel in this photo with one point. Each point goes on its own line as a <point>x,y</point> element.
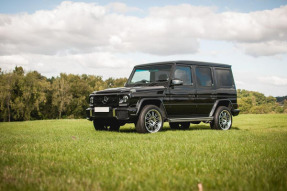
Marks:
<point>224,120</point>
<point>153,121</point>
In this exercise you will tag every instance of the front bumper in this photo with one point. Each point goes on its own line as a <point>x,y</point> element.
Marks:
<point>120,113</point>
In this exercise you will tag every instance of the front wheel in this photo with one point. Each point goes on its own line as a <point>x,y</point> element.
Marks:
<point>150,120</point>
<point>222,119</point>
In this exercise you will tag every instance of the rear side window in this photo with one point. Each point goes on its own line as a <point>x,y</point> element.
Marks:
<point>203,76</point>
<point>224,77</point>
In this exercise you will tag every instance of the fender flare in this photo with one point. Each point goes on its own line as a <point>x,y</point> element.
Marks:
<point>141,101</point>
<point>218,102</point>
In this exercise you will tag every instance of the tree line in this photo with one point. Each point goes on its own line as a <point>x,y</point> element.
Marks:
<point>258,103</point>
<point>31,96</point>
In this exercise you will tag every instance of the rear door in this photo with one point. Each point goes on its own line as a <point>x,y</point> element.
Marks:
<point>181,97</point>
<point>225,84</point>
<point>206,92</point>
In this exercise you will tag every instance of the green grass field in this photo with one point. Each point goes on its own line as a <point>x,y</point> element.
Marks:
<point>71,155</point>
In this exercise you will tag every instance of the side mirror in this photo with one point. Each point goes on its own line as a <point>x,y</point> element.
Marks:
<point>176,82</point>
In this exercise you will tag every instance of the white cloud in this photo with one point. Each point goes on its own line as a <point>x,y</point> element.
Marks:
<point>273,80</point>
<point>273,85</point>
<point>89,38</point>
<point>239,83</point>
<point>268,48</point>
<point>102,64</point>
<point>75,27</point>
<point>122,8</point>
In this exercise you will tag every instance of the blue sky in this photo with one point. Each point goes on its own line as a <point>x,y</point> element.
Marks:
<point>108,38</point>
<point>30,6</point>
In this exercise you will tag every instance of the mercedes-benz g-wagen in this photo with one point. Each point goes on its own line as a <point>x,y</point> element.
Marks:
<point>178,92</point>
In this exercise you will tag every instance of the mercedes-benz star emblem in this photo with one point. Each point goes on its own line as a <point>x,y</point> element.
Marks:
<point>105,100</point>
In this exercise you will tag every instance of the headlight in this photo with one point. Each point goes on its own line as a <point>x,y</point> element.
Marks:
<point>91,99</point>
<point>124,99</point>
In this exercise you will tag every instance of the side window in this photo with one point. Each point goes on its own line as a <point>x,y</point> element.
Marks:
<point>203,76</point>
<point>183,73</point>
<point>224,77</point>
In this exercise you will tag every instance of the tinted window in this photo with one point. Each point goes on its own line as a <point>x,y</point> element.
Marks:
<point>183,73</point>
<point>203,76</point>
<point>224,77</point>
<point>150,74</point>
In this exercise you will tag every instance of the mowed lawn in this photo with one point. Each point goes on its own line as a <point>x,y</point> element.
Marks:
<point>71,155</point>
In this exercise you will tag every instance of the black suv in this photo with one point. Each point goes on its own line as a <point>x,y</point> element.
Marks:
<point>178,92</point>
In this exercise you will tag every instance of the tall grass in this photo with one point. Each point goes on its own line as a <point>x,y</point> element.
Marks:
<point>71,155</point>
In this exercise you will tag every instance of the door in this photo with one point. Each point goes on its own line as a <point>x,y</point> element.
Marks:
<point>206,93</point>
<point>181,97</point>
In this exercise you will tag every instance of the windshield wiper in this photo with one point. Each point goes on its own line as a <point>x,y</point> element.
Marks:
<point>137,84</point>
<point>142,81</point>
<point>157,82</point>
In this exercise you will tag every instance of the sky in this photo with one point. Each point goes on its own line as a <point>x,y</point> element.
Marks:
<point>108,38</point>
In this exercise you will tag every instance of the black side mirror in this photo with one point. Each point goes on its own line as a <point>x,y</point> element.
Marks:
<point>176,82</point>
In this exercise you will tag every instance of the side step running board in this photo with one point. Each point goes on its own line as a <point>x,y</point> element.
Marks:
<point>190,119</point>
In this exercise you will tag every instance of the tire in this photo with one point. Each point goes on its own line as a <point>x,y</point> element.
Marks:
<point>222,119</point>
<point>184,125</point>
<point>150,120</point>
<point>99,125</point>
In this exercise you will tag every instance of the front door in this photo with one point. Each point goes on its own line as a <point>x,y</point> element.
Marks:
<point>181,97</point>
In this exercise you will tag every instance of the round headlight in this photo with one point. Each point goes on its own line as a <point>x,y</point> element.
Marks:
<point>124,99</point>
<point>91,99</point>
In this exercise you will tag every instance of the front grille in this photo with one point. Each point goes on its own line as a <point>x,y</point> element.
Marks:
<point>106,100</point>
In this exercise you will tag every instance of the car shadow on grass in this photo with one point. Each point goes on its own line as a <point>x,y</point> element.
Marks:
<point>195,128</point>
<point>167,128</point>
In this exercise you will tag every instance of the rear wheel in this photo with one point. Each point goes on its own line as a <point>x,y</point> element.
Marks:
<point>184,125</point>
<point>222,119</point>
<point>100,125</point>
<point>150,120</point>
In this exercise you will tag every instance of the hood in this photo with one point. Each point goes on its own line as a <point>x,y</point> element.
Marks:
<point>130,89</point>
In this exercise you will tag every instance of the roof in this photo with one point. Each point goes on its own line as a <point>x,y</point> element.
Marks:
<point>187,63</point>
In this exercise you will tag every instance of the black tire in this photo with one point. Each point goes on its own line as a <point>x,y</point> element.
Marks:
<point>99,125</point>
<point>150,120</point>
<point>183,125</point>
<point>222,119</point>
<point>212,124</point>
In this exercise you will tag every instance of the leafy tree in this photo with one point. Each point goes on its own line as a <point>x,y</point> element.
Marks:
<point>258,103</point>
<point>285,106</point>
<point>120,82</point>
<point>18,104</point>
<point>34,94</point>
<point>61,94</point>
<point>80,90</point>
<point>95,82</point>
<point>245,104</point>
<point>6,87</point>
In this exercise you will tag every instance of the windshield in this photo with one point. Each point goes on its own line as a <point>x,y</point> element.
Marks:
<point>150,75</point>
